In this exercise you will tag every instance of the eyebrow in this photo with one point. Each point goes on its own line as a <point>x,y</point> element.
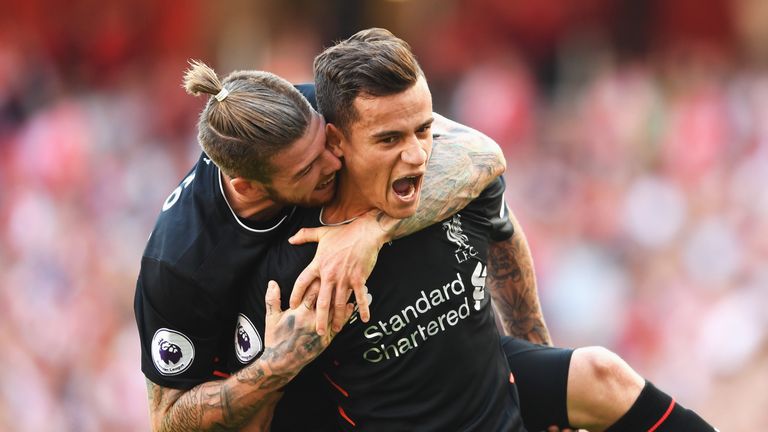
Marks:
<point>304,168</point>
<point>388,133</point>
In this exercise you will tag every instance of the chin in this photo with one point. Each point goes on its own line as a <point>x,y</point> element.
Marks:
<point>319,199</point>
<point>401,213</point>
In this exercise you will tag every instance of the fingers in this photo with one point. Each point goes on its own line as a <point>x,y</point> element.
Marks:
<point>306,235</point>
<point>311,297</point>
<point>347,312</point>
<point>272,299</point>
<point>305,279</point>
<point>339,307</point>
<point>361,296</point>
<point>323,306</point>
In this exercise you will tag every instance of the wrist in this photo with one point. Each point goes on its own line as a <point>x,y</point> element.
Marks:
<point>385,226</point>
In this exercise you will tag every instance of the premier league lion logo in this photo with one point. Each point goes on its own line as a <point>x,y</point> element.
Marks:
<point>172,352</point>
<point>247,340</point>
<point>169,352</point>
<point>243,339</point>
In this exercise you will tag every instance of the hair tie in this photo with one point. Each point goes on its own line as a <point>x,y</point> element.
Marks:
<point>222,94</point>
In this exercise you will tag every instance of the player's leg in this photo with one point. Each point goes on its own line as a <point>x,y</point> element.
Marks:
<point>541,376</point>
<point>606,394</point>
<point>590,388</point>
<point>601,388</point>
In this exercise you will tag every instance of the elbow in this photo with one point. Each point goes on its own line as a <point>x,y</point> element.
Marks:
<point>498,163</point>
<point>501,162</point>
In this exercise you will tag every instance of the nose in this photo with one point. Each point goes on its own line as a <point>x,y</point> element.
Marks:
<point>330,162</point>
<point>415,154</point>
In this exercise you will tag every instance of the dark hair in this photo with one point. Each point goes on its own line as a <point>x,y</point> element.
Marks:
<point>371,62</point>
<point>261,115</point>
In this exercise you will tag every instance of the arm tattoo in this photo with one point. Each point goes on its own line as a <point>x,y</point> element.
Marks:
<point>462,164</point>
<point>512,283</point>
<point>246,398</point>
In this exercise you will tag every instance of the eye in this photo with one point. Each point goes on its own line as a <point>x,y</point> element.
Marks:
<point>306,170</point>
<point>390,139</point>
<point>424,130</point>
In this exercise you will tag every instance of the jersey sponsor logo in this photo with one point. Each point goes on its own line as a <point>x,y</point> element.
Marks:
<point>456,236</point>
<point>172,352</point>
<point>247,340</point>
<point>407,329</point>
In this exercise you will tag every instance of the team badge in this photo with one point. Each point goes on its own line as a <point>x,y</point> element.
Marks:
<point>455,235</point>
<point>172,352</point>
<point>247,340</point>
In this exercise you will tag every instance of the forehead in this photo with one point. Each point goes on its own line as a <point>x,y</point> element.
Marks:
<point>303,151</point>
<point>399,111</point>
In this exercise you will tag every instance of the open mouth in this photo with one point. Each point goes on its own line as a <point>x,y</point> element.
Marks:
<point>326,183</point>
<point>406,187</point>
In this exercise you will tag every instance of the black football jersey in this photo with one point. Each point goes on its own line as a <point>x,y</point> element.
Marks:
<point>198,259</point>
<point>430,357</point>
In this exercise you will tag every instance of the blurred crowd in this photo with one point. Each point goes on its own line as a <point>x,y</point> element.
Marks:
<point>639,171</point>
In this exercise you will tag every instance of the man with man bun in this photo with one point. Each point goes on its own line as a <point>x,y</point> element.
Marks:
<point>263,154</point>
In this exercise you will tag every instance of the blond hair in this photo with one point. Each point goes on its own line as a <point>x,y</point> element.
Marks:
<point>261,115</point>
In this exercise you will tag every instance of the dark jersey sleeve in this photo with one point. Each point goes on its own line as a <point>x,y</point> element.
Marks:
<point>308,91</point>
<point>179,346</point>
<point>491,206</point>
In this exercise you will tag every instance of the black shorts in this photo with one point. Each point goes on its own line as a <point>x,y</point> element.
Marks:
<point>541,376</point>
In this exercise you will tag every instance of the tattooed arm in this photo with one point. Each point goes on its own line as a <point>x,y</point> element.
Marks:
<point>512,283</point>
<point>462,164</point>
<point>247,398</point>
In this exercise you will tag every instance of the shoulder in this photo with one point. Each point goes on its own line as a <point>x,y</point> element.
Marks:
<point>308,91</point>
<point>490,203</point>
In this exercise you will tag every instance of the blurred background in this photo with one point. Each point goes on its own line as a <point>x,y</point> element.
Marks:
<point>636,133</point>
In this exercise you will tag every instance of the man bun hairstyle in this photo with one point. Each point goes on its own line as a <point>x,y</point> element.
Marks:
<point>371,62</point>
<point>249,117</point>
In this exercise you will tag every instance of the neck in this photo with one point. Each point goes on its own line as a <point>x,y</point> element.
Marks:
<point>348,203</point>
<point>258,207</point>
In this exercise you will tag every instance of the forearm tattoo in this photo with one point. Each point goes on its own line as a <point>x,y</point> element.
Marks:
<point>462,164</point>
<point>512,283</point>
<point>248,397</point>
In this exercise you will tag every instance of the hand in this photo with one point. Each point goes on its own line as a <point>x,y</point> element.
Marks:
<point>344,259</point>
<point>290,340</point>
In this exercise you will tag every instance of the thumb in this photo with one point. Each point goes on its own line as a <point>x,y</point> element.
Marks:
<point>307,235</point>
<point>272,300</point>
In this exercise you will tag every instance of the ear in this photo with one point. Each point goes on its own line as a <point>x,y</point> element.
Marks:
<point>245,187</point>
<point>334,140</point>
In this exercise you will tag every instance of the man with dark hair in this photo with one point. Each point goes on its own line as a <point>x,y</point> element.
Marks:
<point>430,359</point>
<point>428,297</point>
<point>264,154</point>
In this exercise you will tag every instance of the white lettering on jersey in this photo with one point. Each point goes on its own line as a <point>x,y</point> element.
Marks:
<point>410,314</point>
<point>172,352</point>
<point>174,196</point>
<point>478,281</point>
